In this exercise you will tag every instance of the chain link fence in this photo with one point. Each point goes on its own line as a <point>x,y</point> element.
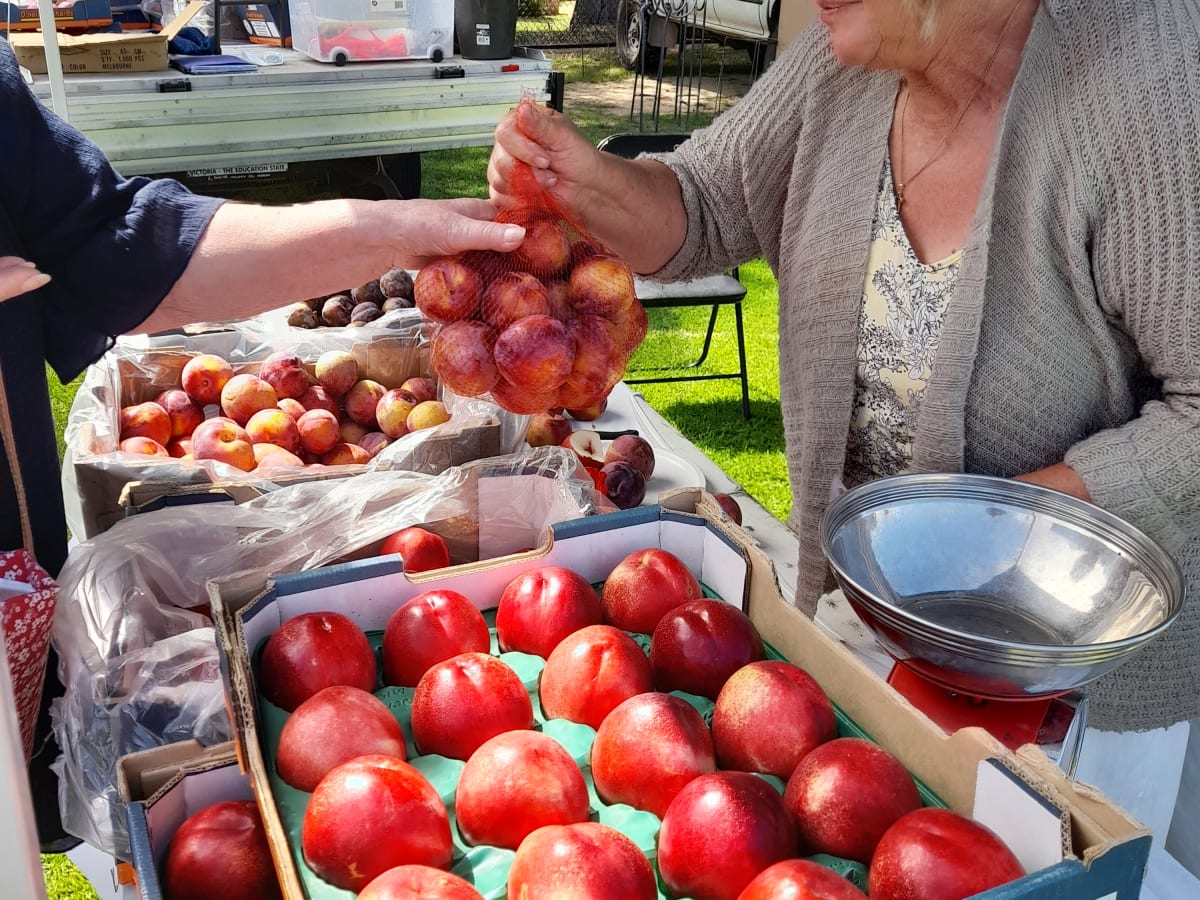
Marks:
<point>549,24</point>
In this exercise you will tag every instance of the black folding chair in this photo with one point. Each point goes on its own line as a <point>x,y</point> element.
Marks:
<point>714,290</point>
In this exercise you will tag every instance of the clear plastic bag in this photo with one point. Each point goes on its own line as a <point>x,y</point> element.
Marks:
<point>135,643</point>
<point>139,368</point>
<point>550,325</point>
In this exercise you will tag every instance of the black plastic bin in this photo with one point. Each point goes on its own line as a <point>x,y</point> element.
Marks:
<point>486,29</point>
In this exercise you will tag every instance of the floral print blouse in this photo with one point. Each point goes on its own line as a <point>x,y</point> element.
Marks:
<point>899,326</point>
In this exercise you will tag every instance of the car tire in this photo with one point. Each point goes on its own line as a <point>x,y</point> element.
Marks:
<point>635,53</point>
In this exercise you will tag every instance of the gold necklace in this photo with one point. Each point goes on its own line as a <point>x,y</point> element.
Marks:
<point>902,185</point>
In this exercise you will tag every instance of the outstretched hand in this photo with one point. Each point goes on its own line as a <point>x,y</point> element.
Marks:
<point>17,276</point>
<point>432,228</point>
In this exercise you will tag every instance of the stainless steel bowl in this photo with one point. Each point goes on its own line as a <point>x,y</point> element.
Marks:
<point>997,588</point>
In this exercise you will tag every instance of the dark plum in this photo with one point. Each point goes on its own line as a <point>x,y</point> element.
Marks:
<point>397,284</point>
<point>371,292</point>
<point>337,310</point>
<point>624,484</point>
<point>364,313</point>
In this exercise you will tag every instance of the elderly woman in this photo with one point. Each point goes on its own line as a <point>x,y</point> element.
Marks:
<point>982,215</point>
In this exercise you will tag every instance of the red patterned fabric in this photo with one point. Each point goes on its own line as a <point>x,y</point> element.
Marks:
<point>26,622</point>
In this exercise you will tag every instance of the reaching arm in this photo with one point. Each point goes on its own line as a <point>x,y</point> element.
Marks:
<point>633,206</point>
<point>252,258</point>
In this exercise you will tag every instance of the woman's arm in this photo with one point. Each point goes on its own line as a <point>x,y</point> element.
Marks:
<point>252,258</point>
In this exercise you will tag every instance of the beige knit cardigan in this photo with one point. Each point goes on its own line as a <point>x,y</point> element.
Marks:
<point>1074,330</point>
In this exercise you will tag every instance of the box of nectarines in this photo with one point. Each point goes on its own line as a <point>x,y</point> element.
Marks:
<point>630,710</point>
<point>182,801</point>
<point>189,417</point>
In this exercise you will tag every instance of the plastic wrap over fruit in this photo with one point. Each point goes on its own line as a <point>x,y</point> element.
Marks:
<point>551,324</point>
<point>230,405</point>
<point>136,646</point>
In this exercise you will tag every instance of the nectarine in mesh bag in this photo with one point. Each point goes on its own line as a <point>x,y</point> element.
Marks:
<point>551,324</point>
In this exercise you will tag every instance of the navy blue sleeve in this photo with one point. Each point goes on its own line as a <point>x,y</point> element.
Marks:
<point>113,246</point>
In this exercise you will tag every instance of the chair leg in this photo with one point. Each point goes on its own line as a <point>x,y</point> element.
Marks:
<point>712,324</point>
<point>741,342</point>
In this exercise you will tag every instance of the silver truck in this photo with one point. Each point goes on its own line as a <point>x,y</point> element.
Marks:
<point>645,28</point>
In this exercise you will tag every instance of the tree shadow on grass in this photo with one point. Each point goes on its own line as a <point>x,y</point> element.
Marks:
<point>717,423</point>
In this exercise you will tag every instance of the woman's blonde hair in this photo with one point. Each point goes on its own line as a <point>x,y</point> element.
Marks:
<point>924,13</point>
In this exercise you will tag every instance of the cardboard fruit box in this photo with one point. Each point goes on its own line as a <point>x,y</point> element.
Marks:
<point>161,788</point>
<point>101,485</point>
<point>1070,839</point>
<point>138,50</point>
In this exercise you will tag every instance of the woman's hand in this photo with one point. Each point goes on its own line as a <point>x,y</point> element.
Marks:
<point>562,157</point>
<point>17,277</point>
<point>1060,477</point>
<point>426,229</point>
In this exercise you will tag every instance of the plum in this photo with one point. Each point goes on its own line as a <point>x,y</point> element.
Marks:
<point>301,316</point>
<point>397,284</point>
<point>391,304</point>
<point>365,312</point>
<point>624,484</point>
<point>336,311</point>
<point>371,292</point>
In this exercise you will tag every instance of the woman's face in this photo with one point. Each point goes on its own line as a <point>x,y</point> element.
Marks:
<point>879,34</point>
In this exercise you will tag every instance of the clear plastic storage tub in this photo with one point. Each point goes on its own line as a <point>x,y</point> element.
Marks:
<point>342,31</point>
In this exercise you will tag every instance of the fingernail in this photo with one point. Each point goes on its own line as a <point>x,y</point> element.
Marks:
<point>28,265</point>
<point>41,279</point>
<point>542,162</point>
<point>514,233</point>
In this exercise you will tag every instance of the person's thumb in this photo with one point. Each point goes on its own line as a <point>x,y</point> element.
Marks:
<point>538,123</point>
<point>475,234</point>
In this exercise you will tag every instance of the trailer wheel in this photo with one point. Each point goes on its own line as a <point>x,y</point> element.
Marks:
<point>634,51</point>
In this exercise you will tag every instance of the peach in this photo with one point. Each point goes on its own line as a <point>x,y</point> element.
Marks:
<point>462,357</point>
<point>274,426</point>
<point>286,374</point>
<point>144,445</point>
<point>419,388</point>
<point>244,395</point>
<point>535,354</point>
<point>361,401</point>
<point>602,286</point>
<point>522,402</point>
<point>373,442</point>
<point>559,295</point>
<point>392,412</point>
<point>546,250</point>
<point>599,362</point>
<point>337,371</point>
<point>204,376</point>
<point>547,429</point>
<point>318,431</point>
<point>514,296</point>
<point>146,420</point>
<point>633,449</point>
<point>180,447</point>
<point>447,290</point>
<point>589,413</point>
<point>427,415</point>
<point>184,414</point>
<point>223,440</point>
<point>293,408</point>
<point>632,326</point>
<point>352,432</point>
<point>346,455</point>
<point>317,397</point>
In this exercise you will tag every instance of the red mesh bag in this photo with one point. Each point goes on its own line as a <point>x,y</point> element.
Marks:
<point>551,324</point>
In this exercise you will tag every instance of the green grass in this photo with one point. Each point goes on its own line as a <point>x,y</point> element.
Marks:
<point>64,881</point>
